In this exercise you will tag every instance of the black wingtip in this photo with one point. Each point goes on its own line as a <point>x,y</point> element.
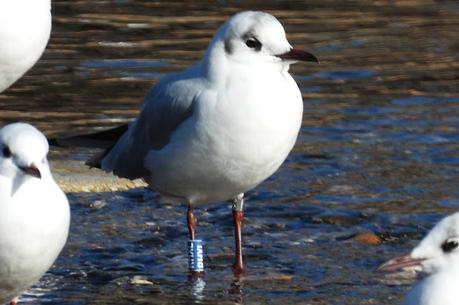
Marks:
<point>103,139</point>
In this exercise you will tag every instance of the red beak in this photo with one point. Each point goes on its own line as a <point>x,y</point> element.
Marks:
<point>298,55</point>
<point>400,263</point>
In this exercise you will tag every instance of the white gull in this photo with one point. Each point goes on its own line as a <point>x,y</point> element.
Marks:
<point>25,26</point>
<point>437,255</point>
<point>221,127</point>
<point>34,212</point>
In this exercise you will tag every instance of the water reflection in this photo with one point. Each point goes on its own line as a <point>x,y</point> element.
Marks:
<point>198,285</point>
<point>236,291</point>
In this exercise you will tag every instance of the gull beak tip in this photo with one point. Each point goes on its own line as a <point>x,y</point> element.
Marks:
<point>299,55</point>
<point>400,263</point>
<point>31,170</point>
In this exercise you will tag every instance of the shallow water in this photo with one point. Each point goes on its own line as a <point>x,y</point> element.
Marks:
<point>378,152</point>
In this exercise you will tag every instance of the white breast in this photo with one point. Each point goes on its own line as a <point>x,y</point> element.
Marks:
<point>238,136</point>
<point>33,229</point>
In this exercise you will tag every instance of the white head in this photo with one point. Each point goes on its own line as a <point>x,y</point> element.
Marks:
<point>10,5</point>
<point>23,150</point>
<point>438,251</point>
<point>254,37</point>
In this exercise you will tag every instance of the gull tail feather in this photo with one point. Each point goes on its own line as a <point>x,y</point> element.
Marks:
<point>121,158</point>
<point>107,159</point>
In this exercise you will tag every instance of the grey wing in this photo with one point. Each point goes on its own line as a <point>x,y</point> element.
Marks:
<point>165,107</point>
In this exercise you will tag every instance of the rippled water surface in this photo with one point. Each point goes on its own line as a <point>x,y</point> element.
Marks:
<point>378,152</point>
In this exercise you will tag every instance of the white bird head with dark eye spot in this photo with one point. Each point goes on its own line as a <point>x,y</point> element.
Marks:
<point>252,38</point>
<point>23,150</point>
<point>440,248</point>
<point>437,252</point>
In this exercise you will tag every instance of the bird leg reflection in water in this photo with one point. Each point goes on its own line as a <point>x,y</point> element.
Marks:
<point>198,286</point>
<point>236,290</point>
<point>238,217</point>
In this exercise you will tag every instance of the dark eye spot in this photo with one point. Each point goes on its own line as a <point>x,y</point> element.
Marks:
<point>6,152</point>
<point>253,43</point>
<point>449,245</point>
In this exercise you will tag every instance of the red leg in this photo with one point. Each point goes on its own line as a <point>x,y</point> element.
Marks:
<point>191,222</point>
<point>238,266</point>
<point>14,301</point>
<point>238,217</point>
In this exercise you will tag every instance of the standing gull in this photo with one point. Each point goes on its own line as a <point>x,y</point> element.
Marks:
<point>34,212</point>
<point>221,127</point>
<point>438,256</point>
<point>25,26</point>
